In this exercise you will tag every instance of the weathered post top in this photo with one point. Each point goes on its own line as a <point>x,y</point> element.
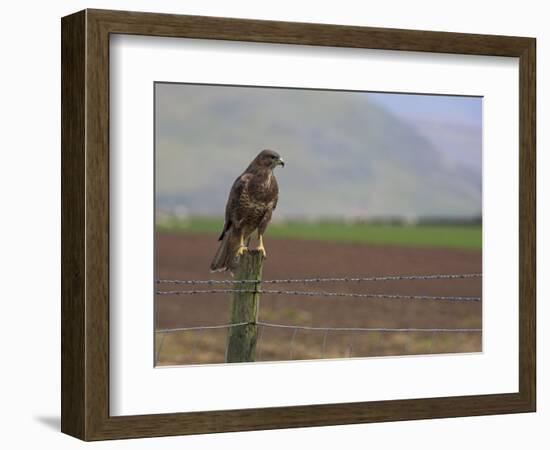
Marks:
<point>241,340</point>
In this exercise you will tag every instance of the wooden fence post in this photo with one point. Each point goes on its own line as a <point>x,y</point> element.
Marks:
<point>241,340</point>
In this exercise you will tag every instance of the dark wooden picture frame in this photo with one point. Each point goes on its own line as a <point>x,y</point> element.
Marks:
<point>85,224</point>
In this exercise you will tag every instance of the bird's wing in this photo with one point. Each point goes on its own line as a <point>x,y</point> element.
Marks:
<point>276,191</point>
<point>232,206</point>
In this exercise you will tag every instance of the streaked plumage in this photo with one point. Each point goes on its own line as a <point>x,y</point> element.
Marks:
<point>251,202</point>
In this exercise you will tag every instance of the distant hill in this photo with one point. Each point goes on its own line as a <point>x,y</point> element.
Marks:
<point>345,155</point>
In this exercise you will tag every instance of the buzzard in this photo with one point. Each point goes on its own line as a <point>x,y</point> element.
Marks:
<point>252,199</point>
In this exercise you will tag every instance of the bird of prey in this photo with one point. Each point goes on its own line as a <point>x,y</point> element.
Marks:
<point>252,199</point>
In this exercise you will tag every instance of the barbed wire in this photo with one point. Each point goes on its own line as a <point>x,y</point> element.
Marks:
<point>325,280</point>
<point>311,328</point>
<point>321,294</point>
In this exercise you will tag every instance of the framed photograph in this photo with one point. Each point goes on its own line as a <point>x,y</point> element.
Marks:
<point>273,225</point>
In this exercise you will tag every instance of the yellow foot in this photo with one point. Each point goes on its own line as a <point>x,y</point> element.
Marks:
<point>241,250</point>
<point>261,249</point>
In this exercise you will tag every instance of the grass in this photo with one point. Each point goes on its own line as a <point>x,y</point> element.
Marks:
<point>454,236</point>
<point>208,346</point>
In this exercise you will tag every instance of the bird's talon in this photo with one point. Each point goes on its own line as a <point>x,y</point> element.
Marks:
<point>262,251</point>
<point>241,250</point>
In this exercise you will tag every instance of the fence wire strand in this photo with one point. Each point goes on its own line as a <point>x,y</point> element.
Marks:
<point>320,294</point>
<point>311,328</point>
<point>419,330</point>
<point>264,325</point>
<point>327,280</point>
<point>204,327</point>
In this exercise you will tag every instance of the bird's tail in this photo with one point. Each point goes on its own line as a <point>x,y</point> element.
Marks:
<point>226,257</point>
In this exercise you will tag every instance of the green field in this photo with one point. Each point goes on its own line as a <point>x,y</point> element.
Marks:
<point>455,236</point>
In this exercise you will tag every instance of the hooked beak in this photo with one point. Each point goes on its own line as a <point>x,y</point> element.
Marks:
<point>281,162</point>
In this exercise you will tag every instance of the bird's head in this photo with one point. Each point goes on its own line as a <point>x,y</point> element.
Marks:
<point>269,159</point>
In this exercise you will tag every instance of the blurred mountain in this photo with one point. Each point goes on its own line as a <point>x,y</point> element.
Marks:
<point>345,156</point>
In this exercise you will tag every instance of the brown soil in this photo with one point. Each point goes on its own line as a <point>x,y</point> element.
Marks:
<point>184,256</point>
